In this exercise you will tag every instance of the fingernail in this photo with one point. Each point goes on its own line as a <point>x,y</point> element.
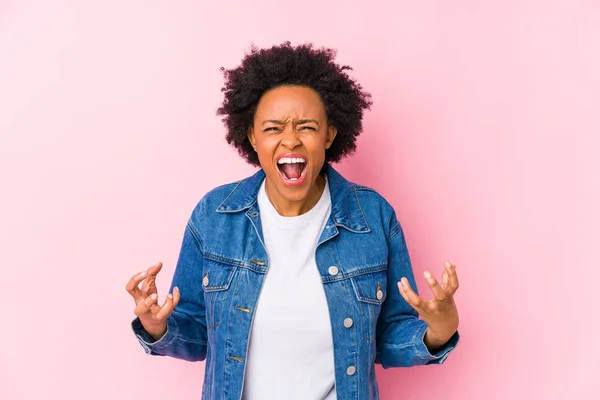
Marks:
<point>170,296</point>
<point>448,264</point>
<point>176,288</point>
<point>427,275</point>
<point>154,296</point>
<point>143,273</point>
<point>403,281</point>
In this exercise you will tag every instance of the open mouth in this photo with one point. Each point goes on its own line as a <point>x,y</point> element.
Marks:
<point>292,169</point>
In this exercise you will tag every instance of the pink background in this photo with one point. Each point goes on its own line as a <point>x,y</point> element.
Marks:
<point>483,135</point>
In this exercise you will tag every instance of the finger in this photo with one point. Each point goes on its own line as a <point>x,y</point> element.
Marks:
<point>437,290</point>
<point>132,286</point>
<point>412,298</point>
<point>404,296</point>
<point>176,296</point>
<point>144,306</point>
<point>452,278</point>
<point>149,285</point>
<point>169,305</point>
<point>444,279</point>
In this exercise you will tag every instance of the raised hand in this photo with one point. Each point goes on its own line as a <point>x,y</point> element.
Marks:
<point>152,316</point>
<point>440,313</point>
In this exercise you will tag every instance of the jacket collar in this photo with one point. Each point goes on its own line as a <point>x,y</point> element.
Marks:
<point>345,207</point>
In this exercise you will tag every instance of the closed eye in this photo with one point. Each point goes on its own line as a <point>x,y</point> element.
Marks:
<point>302,128</point>
<point>271,128</point>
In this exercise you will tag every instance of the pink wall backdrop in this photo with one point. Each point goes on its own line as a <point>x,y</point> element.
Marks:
<point>483,135</point>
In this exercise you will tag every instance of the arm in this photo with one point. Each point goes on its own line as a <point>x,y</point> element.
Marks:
<point>400,332</point>
<point>186,335</point>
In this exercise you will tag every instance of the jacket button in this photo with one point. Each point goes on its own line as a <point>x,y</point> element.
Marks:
<point>333,270</point>
<point>351,370</point>
<point>379,295</point>
<point>205,281</point>
<point>348,322</point>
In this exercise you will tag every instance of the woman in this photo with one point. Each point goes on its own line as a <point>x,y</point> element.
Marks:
<point>294,282</point>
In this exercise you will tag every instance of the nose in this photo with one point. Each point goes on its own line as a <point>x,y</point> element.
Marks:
<point>290,138</point>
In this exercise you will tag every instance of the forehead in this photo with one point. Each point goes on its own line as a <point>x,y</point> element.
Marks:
<point>290,101</point>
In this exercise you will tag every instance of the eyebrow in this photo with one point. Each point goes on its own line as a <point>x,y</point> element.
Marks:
<point>300,122</point>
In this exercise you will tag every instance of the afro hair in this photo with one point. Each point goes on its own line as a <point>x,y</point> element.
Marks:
<point>285,65</point>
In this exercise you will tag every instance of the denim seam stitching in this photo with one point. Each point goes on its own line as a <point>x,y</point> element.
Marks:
<point>361,211</point>
<point>196,235</point>
<point>355,273</point>
<point>362,187</point>
<point>222,287</point>
<point>232,262</point>
<point>228,196</point>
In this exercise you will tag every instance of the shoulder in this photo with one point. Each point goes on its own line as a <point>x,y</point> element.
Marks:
<point>370,196</point>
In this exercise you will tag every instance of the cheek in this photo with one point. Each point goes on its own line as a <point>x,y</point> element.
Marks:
<point>264,144</point>
<point>317,152</point>
<point>265,148</point>
<point>317,146</point>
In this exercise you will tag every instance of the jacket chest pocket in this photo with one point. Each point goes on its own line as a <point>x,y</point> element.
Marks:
<point>216,284</point>
<point>370,289</point>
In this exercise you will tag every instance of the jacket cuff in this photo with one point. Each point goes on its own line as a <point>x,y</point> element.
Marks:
<point>440,356</point>
<point>150,345</point>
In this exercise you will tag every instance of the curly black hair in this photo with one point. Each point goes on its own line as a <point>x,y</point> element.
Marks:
<point>287,65</point>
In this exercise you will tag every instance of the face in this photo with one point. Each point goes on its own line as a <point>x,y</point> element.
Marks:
<point>290,135</point>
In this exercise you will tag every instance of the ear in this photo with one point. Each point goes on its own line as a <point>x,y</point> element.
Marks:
<point>331,133</point>
<point>251,137</point>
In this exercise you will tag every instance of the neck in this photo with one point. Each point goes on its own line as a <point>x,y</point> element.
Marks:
<point>288,208</point>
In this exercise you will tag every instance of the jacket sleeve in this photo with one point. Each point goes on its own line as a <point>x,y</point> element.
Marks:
<point>400,333</point>
<point>186,335</point>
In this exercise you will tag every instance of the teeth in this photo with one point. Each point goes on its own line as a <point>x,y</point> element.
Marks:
<point>288,160</point>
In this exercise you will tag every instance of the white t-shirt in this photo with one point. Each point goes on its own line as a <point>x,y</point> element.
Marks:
<point>291,345</point>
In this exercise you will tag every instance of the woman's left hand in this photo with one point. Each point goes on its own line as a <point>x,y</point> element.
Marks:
<point>439,313</point>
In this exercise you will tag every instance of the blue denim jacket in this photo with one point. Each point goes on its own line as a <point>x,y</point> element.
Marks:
<point>361,256</point>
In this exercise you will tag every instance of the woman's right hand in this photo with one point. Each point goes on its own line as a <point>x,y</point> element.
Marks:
<point>152,316</point>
